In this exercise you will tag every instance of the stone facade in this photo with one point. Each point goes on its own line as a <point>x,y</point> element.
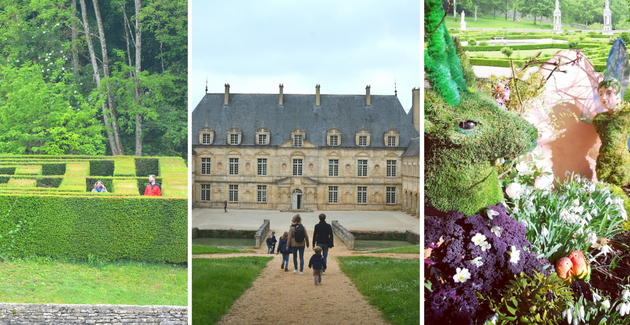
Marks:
<point>411,178</point>
<point>46,314</point>
<point>304,152</point>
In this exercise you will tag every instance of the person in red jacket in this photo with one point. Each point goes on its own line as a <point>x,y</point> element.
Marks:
<point>153,188</point>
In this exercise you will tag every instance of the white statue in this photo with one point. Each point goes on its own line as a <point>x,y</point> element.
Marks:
<point>463,16</point>
<point>463,23</point>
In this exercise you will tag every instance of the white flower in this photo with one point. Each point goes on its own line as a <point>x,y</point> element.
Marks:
<point>462,275</point>
<point>576,202</point>
<point>592,237</point>
<point>569,314</point>
<point>606,304</point>
<point>491,213</point>
<point>485,246</point>
<point>605,249</point>
<point>625,294</point>
<point>624,308</point>
<point>608,201</point>
<point>594,211</point>
<point>591,189</point>
<point>591,202</point>
<point>588,216</point>
<point>478,239</point>
<point>544,232</point>
<point>543,181</point>
<point>524,223</point>
<point>523,168</point>
<point>514,190</point>
<point>496,231</point>
<point>477,261</point>
<point>582,313</point>
<point>596,297</point>
<point>515,255</point>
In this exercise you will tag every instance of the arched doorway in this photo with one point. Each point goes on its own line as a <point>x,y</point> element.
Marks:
<point>296,200</point>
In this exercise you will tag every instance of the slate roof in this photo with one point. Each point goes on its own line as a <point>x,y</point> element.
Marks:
<point>347,112</point>
<point>413,149</point>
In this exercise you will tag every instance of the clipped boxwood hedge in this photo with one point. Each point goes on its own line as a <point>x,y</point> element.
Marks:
<point>101,168</point>
<point>106,227</point>
<point>4,179</point>
<point>147,166</point>
<point>223,233</point>
<point>53,169</point>
<point>49,182</point>
<point>516,47</point>
<point>379,235</point>
<point>7,170</point>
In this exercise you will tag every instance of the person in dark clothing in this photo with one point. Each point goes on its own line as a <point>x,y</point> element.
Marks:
<point>225,205</point>
<point>270,243</point>
<point>318,263</point>
<point>273,235</point>
<point>323,237</point>
<point>282,248</point>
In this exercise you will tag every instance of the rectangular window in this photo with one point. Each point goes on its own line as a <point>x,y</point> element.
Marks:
<point>391,141</point>
<point>363,140</point>
<point>205,192</point>
<point>391,195</point>
<point>333,140</point>
<point>333,167</point>
<point>332,194</point>
<point>297,167</point>
<point>206,138</point>
<point>205,166</point>
<point>391,168</point>
<point>262,139</point>
<point>233,166</point>
<point>233,138</point>
<point>233,193</point>
<point>262,193</point>
<point>362,195</point>
<point>362,168</point>
<point>262,166</point>
<point>297,140</point>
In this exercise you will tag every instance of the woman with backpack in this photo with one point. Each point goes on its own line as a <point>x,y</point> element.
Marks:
<point>297,239</point>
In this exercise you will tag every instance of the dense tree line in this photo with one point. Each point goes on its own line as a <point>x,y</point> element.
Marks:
<point>93,77</point>
<point>585,12</point>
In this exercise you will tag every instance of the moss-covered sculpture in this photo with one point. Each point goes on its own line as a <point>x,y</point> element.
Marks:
<point>613,127</point>
<point>461,144</point>
<point>464,132</point>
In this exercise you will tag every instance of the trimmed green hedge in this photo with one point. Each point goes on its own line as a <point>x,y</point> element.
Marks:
<point>142,184</point>
<point>4,179</point>
<point>101,168</point>
<point>516,47</point>
<point>105,227</point>
<point>147,166</point>
<point>223,233</point>
<point>7,170</point>
<point>108,182</point>
<point>53,169</point>
<point>49,182</point>
<point>379,235</point>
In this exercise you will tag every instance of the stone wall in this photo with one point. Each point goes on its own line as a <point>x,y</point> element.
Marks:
<point>261,234</point>
<point>343,234</point>
<point>413,237</point>
<point>40,314</point>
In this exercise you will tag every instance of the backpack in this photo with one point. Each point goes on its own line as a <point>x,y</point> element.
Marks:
<point>298,234</point>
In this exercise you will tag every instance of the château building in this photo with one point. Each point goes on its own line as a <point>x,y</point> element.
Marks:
<point>306,151</point>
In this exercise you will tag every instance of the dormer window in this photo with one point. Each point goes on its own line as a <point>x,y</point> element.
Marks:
<point>391,138</point>
<point>362,137</point>
<point>298,136</point>
<point>333,137</point>
<point>206,135</point>
<point>235,136</point>
<point>263,135</point>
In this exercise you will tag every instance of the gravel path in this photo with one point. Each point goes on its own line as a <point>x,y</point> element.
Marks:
<point>279,297</point>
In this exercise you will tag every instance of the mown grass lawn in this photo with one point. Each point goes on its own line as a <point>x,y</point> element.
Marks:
<point>392,285</point>
<point>488,22</point>
<point>517,54</point>
<point>217,283</point>
<point>413,249</point>
<point>121,283</point>
<point>202,249</point>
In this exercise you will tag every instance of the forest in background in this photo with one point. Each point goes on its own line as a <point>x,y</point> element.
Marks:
<point>584,12</point>
<point>94,77</point>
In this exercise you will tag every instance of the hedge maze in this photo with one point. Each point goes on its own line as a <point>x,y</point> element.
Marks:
<point>47,208</point>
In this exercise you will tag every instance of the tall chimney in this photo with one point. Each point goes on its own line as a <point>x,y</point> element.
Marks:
<point>227,94</point>
<point>367,95</point>
<point>317,98</point>
<point>415,107</point>
<point>281,95</point>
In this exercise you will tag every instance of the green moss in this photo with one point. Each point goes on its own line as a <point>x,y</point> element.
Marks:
<point>459,172</point>
<point>613,161</point>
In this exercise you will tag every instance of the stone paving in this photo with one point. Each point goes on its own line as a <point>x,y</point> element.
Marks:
<point>280,221</point>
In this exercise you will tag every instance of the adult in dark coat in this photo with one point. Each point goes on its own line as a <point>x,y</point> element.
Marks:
<point>323,237</point>
<point>225,205</point>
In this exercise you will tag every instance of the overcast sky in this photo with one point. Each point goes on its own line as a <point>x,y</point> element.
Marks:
<point>341,45</point>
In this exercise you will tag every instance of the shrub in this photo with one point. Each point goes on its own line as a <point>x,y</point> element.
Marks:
<point>4,179</point>
<point>7,170</point>
<point>625,37</point>
<point>472,41</point>
<point>49,182</point>
<point>53,169</point>
<point>101,168</point>
<point>507,51</point>
<point>490,269</point>
<point>483,43</point>
<point>147,166</point>
<point>572,44</point>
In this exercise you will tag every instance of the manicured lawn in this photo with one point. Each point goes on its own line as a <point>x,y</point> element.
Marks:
<point>201,249</point>
<point>413,249</point>
<point>523,54</point>
<point>217,283</point>
<point>391,284</point>
<point>489,22</point>
<point>122,283</point>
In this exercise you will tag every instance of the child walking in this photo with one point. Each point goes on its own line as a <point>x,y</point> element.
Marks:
<point>282,248</point>
<point>318,263</point>
<point>273,236</point>
<point>270,244</point>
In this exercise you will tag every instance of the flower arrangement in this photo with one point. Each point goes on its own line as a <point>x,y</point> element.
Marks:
<point>470,255</point>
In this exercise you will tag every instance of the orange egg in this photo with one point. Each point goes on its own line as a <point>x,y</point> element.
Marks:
<point>579,264</point>
<point>564,267</point>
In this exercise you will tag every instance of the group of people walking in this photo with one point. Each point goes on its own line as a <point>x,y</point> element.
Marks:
<point>296,240</point>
